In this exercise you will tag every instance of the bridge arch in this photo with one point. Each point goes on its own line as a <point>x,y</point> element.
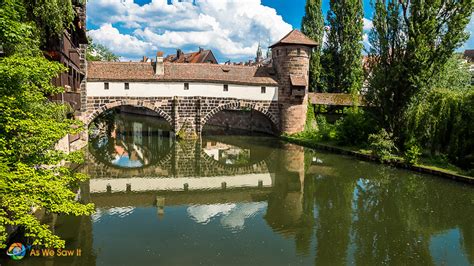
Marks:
<point>239,105</point>
<point>89,118</point>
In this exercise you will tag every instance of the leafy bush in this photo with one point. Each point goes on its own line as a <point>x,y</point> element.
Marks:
<point>382,145</point>
<point>412,152</point>
<point>355,127</point>
<point>326,131</point>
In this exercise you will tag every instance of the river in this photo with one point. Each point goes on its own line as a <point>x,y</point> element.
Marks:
<point>255,200</point>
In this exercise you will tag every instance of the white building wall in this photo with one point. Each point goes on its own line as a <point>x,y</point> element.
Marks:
<point>170,89</point>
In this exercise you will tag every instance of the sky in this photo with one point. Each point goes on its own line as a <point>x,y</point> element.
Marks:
<point>232,29</point>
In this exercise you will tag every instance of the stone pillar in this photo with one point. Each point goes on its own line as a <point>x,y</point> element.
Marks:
<point>197,123</point>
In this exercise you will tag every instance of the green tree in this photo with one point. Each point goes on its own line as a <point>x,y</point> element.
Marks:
<point>455,74</point>
<point>31,173</point>
<point>342,54</point>
<point>99,52</point>
<point>412,41</point>
<point>313,27</point>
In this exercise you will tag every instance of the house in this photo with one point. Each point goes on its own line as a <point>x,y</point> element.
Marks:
<point>69,50</point>
<point>201,56</point>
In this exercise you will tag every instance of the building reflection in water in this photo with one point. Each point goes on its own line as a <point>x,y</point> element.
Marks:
<point>335,210</point>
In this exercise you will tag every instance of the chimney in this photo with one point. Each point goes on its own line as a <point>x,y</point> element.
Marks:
<point>179,53</point>
<point>144,58</point>
<point>159,66</point>
<point>201,49</point>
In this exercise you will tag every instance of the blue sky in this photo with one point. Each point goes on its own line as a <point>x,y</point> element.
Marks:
<point>232,29</point>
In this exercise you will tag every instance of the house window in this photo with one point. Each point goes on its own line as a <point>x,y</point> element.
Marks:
<point>127,86</point>
<point>106,86</point>
<point>226,87</point>
<point>186,86</point>
<point>263,89</point>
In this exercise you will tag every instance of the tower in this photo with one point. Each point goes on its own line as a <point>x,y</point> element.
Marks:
<point>259,57</point>
<point>291,57</point>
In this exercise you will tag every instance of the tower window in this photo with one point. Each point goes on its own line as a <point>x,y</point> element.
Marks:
<point>263,89</point>
<point>298,51</point>
<point>127,86</point>
<point>226,87</point>
<point>106,85</point>
<point>186,86</point>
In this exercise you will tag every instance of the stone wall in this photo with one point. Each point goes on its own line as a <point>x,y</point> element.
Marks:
<point>251,121</point>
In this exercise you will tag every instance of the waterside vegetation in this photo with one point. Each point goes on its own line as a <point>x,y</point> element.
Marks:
<point>417,89</point>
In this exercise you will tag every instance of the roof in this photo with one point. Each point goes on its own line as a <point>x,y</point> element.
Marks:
<point>298,81</point>
<point>202,56</point>
<point>469,54</point>
<point>204,72</point>
<point>295,37</point>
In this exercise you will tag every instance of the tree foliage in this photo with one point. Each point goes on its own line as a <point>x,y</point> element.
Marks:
<point>313,27</point>
<point>342,54</point>
<point>412,40</point>
<point>99,52</point>
<point>443,122</point>
<point>31,171</point>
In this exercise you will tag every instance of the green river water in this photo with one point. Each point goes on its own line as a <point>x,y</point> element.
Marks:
<point>255,200</point>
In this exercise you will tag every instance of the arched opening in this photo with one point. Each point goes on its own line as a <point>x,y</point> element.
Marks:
<point>130,137</point>
<point>234,118</point>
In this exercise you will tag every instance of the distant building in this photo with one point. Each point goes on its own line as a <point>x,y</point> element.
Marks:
<point>469,55</point>
<point>259,57</point>
<point>201,56</point>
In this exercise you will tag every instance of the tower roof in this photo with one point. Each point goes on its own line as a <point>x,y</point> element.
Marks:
<point>295,37</point>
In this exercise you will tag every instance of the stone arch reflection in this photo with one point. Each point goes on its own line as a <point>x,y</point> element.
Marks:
<point>125,138</point>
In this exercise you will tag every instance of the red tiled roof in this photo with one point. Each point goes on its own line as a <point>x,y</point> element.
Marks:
<point>469,54</point>
<point>196,57</point>
<point>144,71</point>
<point>295,37</point>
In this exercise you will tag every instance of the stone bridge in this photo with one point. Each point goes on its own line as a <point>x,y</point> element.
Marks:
<point>189,95</point>
<point>186,114</point>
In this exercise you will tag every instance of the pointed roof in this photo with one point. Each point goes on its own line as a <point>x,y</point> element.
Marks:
<point>295,37</point>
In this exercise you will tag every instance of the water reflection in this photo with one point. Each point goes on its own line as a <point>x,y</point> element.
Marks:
<point>131,142</point>
<point>254,200</point>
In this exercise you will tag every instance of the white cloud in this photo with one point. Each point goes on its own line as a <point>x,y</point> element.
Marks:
<point>121,44</point>
<point>231,28</point>
<point>368,24</point>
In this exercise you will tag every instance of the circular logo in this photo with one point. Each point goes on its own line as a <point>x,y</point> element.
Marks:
<point>16,251</point>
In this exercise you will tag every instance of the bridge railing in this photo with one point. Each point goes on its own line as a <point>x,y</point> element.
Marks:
<point>341,99</point>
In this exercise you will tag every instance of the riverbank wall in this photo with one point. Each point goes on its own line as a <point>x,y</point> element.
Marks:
<point>368,157</point>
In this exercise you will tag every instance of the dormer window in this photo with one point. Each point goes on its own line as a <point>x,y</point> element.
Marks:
<point>226,87</point>
<point>186,86</point>
<point>106,85</point>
